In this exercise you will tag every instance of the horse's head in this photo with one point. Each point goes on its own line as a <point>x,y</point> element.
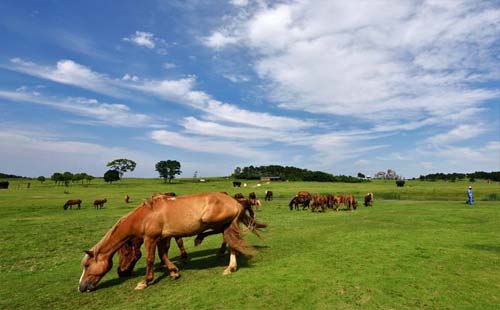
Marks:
<point>94,268</point>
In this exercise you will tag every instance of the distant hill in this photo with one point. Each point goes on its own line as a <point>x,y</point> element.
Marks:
<point>10,176</point>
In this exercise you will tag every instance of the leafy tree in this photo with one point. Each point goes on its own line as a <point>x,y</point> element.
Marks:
<point>111,176</point>
<point>360,175</point>
<point>57,177</point>
<point>122,165</point>
<point>67,177</point>
<point>400,183</point>
<point>79,177</point>
<point>41,179</point>
<point>88,178</point>
<point>168,169</point>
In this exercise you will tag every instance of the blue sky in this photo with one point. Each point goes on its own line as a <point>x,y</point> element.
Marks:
<point>338,86</point>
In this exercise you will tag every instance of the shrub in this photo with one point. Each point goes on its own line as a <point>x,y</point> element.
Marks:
<point>400,183</point>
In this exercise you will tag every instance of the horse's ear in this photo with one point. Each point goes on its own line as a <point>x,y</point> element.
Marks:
<point>90,253</point>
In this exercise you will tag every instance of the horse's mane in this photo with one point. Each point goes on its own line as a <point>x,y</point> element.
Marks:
<point>96,248</point>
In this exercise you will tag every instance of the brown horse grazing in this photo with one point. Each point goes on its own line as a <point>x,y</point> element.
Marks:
<point>350,202</point>
<point>299,200</point>
<point>369,200</point>
<point>318,202</point>
<point>164,217</point>
<point>304,194</point>
<point>269,196</point>
<point>70,203</point>
<point>99,203</point>
<point>130,252</point>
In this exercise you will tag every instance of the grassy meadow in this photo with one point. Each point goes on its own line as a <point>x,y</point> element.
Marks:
<point>419,247</point>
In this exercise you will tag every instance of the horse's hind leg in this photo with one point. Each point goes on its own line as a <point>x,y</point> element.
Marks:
<point>180,245</point>
<point>222,250</point>
<point>163,247</point>
<point>233,265</point>
<point>150,245</point>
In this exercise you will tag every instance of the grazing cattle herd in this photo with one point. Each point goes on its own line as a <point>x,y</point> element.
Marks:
<point>213,213</point>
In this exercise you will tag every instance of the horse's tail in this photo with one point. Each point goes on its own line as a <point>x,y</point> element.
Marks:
<point>233,233</point>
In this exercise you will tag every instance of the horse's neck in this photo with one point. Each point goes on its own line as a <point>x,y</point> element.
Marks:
<point>117,236</point>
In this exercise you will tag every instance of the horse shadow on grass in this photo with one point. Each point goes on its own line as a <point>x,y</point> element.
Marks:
<point>204,259</point>
<point>484,247</point>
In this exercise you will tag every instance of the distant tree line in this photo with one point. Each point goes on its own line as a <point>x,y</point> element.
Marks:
<point>10,176</point>
<point>290,173</point>
<point>66,177</point>
<point>494,176</point>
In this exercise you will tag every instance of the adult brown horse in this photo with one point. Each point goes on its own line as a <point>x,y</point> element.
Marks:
<point>99,203</point>
<point>70,203</point>
<point>369,200</point>
<point>165,217</point>
<point>269,196</point>
<point>130,253</point>
<point>350,202</point>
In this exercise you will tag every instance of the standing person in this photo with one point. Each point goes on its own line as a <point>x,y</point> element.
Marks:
<point>470,198</point>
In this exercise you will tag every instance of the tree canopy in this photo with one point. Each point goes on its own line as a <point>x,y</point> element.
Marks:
<point>122,165</point>
<point>111,176</point>
<point>168,169</point>
<point>290,173</point>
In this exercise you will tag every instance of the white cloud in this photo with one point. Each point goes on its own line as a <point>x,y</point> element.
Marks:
<point>20,147</point>
<point>142,38</point>
<point>380,61</point>
<point>203,144</point>
<point>181,91</point>
<point>169,65</point>
<point>218,40</point>
<point>118,115</point>
<point>457,134</point>
<point>236,78</point>
<point>128,77</point>
<point>68,72</point>
<point>239,2</point>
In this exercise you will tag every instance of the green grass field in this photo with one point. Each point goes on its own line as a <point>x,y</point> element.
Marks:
<point>419,247</point>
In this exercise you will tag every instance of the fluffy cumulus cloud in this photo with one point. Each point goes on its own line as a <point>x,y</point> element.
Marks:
<point>380,61</point>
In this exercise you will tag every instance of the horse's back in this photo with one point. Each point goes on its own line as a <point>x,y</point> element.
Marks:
<point>191,214</point>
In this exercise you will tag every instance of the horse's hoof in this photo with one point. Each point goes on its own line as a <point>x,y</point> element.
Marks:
<point>141,285</point>
<point>175,276</point>
<point>228,270</point>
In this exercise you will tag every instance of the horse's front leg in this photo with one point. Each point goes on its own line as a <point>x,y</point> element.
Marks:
<point>232,263</point>
<point>150,245</point>
<point>163,247</point>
